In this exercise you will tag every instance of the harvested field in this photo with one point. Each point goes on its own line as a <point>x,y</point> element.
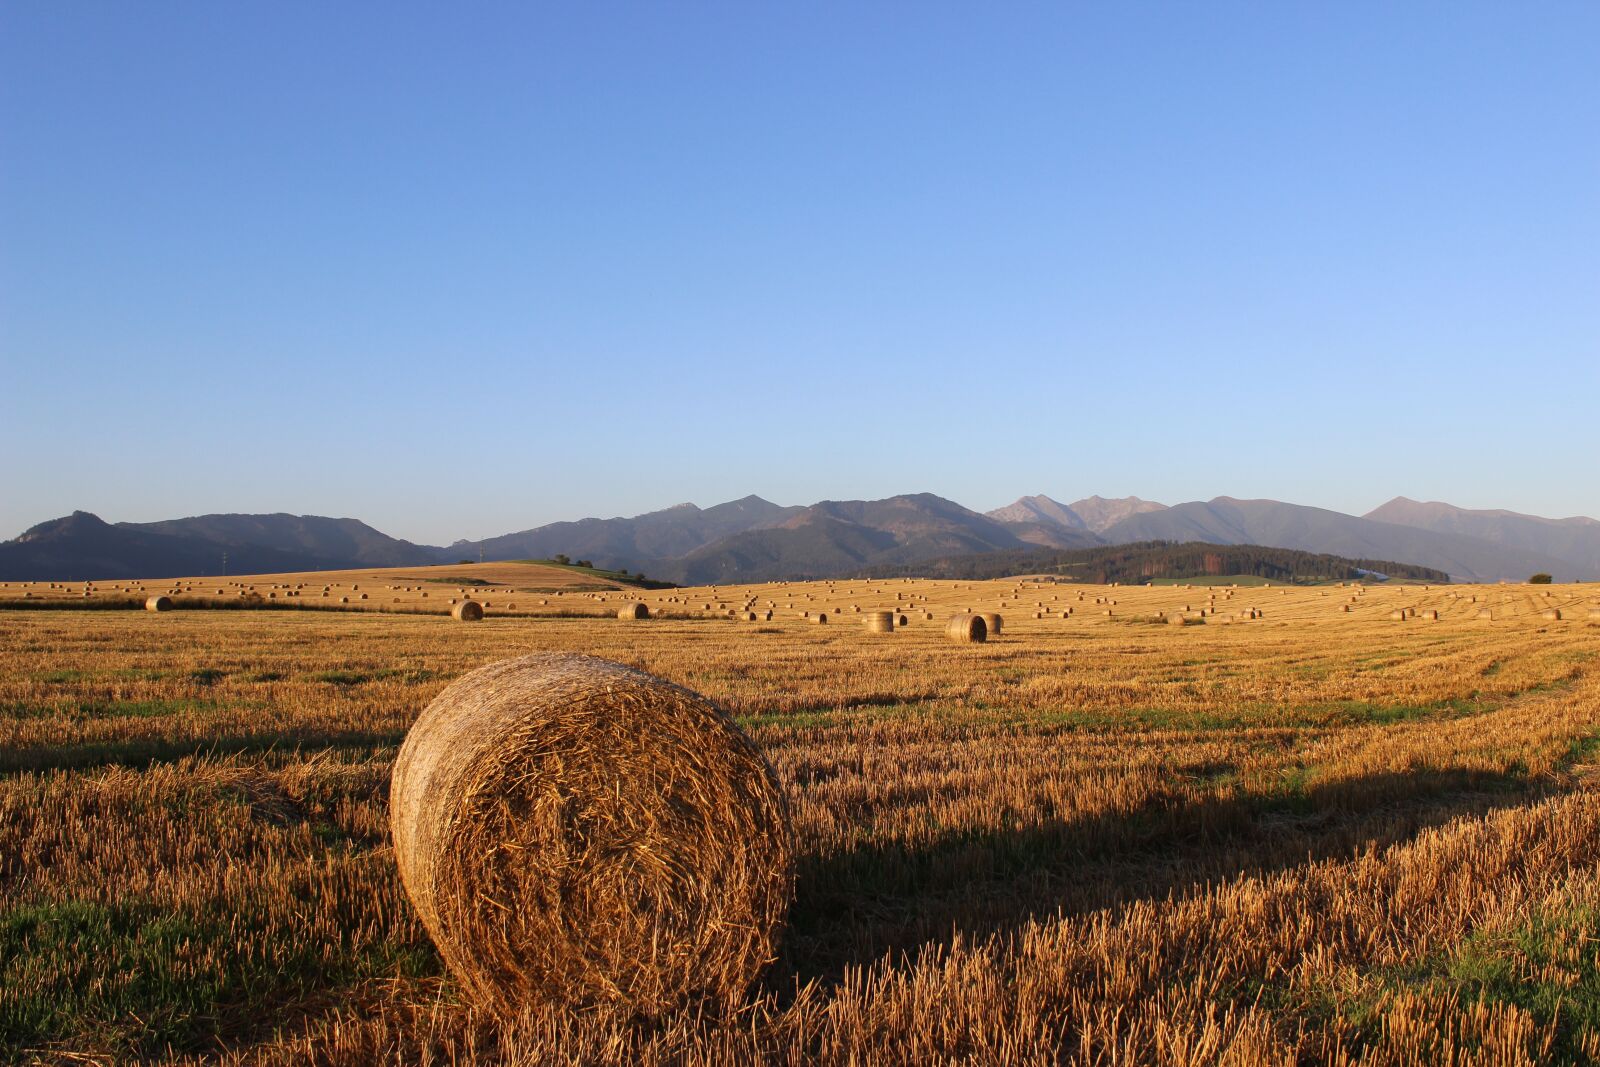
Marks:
<point>1318,834</point>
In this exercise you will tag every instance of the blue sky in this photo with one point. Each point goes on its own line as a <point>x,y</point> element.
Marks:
<point>464,270</point>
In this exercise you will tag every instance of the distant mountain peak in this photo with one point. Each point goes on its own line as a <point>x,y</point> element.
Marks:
<point>1101,513</point>
<point>1039,508</point>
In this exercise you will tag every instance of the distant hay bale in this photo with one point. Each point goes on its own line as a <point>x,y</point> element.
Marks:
<point>747,616</point>
<point>992,624</point>
<point>901,620</point>
<point>1485,613</point>
<point>1551,615</point>
<point>820,618</point>
<point>573,831</point>
<point>632,611</point>
<point>467,611</point>
<point>1397,615</point>
<point>927,616</point>
<point>879,622</point>
<point>1431,616</point>
<point>967,627</point>
<point>158,603</point>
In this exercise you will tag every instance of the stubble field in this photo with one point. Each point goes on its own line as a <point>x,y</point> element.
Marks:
<point>1315,835</point>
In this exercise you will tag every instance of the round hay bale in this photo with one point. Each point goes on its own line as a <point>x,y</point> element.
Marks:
<point>467,611</point>
<point>820,618</point>
<point>1551,615</point>
<point>573,831</point>
<point>158,603</point>
<point>967,627</point>
<point>992,622</point>
<point>1397,615</point>
<point>632,611</point>
<point>879,622</point>
<point>747,616</point>
<point>1485,613</point>
<point>901,620</point>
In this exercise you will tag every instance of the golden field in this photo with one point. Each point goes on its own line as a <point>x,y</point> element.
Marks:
<point>1314,835</point>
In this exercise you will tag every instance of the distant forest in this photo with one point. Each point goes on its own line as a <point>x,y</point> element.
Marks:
<point>1136,564</point>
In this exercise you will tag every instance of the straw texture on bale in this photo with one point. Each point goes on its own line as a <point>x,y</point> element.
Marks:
<point>967,627</point>
<point>634,610</point>
<point>467,611</point>
<point>574,831</point>
<point>879,622</point>
<point>993,622</point>
<point>158,603</point>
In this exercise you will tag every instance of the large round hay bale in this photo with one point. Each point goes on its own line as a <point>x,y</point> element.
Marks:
<point>820,618</point>
<point>1551,615</point>
<point>993,622</point>
<point>467,611</point>
<point>967,627</point>
<point>158,603</point>
<point>575,831</point>
<point>901,620</point>
<point>879,622</point>
<point>634,610</point>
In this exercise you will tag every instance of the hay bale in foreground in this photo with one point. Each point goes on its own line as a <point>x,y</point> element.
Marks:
<point>574,831</point>
<point>967,627</point>
<point>632,611</point>
<point>158,603</point>
<point>467,611</point>
<point>993,622</point>
<point>879,622</point>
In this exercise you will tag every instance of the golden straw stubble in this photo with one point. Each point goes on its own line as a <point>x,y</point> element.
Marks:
<point>575,831</point>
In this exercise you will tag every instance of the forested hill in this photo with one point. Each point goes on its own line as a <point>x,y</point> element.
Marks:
<point>1136,564</point>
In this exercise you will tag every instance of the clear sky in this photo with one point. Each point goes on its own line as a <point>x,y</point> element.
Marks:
<point>460,270</point>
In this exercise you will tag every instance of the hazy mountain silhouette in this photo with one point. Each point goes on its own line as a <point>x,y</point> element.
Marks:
<point>754,540</point>
<point>1226,521</point>
<point>1574,540</point>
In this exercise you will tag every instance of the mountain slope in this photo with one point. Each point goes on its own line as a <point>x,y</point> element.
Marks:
<point>1038,509</point>
<point>634,542</point>
<point>1100,514</point>
<point>1227,521</point>
<point>1575,540</point>
<point>836,536</point>
<point>83,546</point>
<point>339,542</point>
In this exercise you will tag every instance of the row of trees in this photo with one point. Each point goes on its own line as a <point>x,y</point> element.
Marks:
<point>1136,564</point>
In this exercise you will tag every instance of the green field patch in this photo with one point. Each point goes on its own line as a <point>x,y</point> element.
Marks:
<point>141,709</point>
<point>136,979</point>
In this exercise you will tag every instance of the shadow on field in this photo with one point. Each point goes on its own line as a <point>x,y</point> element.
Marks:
<point>853,908</point>
<point>144,751</point>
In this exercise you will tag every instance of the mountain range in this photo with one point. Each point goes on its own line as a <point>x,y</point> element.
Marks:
<point>755,540</point>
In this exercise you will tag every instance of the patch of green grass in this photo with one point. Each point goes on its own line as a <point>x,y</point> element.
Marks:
<point>1549,966</point>
<point>341,678</point>
<point>133,979</point>
<point>141,709</point>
